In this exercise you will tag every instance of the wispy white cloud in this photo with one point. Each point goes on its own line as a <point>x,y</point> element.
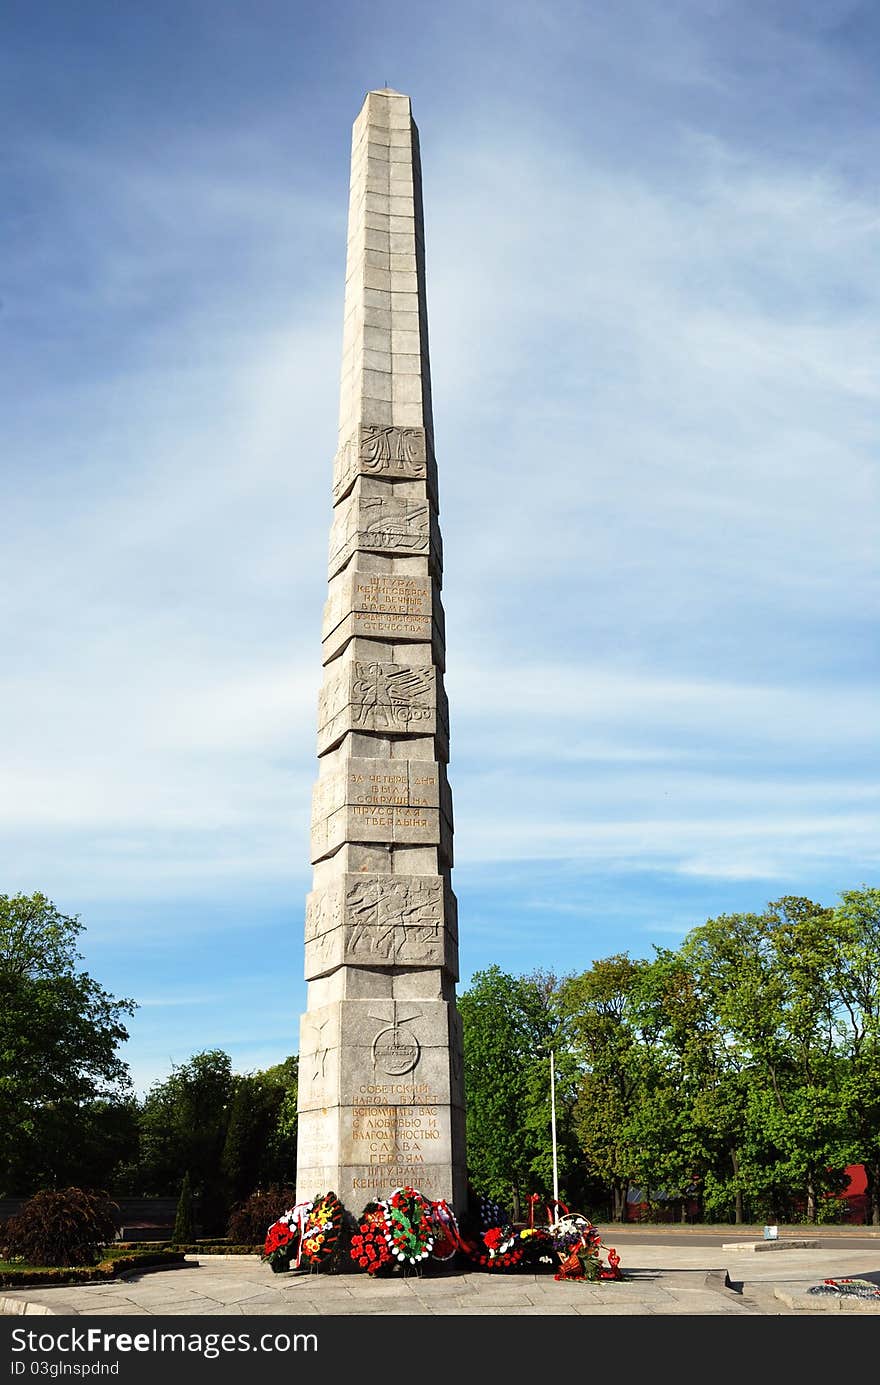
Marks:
<point>653,304</point>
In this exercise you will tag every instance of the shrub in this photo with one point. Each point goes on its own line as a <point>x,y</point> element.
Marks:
<point>61,1227</point>
<point>251,1220</point>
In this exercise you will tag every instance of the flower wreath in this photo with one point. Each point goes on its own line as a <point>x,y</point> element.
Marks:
<point>447,1238</point>
<point>284,1237</point>
<point>853,1288</point>
<point>499,1248</point>
<point>409,1228</point>
<point>369,1246</point>
<point>278,1237</point>
<point>321,1230</point>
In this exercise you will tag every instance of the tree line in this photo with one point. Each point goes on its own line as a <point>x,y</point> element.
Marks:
<point>738,1075</point>
<point>68,1114</point>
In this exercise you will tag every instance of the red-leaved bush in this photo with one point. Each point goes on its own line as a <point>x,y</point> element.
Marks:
<point>66,1226</point>
<point>250,1221</point>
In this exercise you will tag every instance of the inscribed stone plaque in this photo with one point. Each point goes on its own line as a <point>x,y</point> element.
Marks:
<point>378,782</point>
<point>395,825</point>
<point>378,800</point>
<point>385,606</point>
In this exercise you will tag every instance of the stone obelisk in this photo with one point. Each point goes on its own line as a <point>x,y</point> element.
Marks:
<point>381,1100</point>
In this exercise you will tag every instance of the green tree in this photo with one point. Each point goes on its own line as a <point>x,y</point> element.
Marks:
<point>260,1143</point>
<point>616,1071</point>
<point>766,1036</point>
<point>576,1189</point>
<point>685,1124</point>
<point>62,1080</point>
<point>278,1165</point>
<point>183,1125</point>
<point>856,974</point>
<point>508,1025</point>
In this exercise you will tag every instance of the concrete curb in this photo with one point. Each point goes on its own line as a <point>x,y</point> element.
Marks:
<point>208,1259</point>
<point>720,1281</point>
<point>19,1308</point>
<point>787,1244</point>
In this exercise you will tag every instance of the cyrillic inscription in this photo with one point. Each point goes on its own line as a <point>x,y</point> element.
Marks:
<point>381,605</point>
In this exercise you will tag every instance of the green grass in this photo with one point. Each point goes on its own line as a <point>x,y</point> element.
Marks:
<point>107,1266</point>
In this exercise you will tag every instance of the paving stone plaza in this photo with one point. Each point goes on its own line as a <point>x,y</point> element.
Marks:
<point>661,1280</point>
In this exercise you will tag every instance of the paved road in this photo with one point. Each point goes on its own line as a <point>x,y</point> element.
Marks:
<point>829,1240</point>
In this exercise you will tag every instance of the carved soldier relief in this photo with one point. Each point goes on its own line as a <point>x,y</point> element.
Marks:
<point>395,919</point>
<point>380,920</point>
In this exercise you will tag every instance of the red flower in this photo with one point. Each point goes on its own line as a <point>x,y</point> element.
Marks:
<point>279,1235</point>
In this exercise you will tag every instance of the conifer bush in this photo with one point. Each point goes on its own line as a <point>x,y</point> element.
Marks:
<point>184,1221</point>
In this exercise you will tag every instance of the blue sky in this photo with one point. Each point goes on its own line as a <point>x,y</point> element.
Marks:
<point>652,237</point>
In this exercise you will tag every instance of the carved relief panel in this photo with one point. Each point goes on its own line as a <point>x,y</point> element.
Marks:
<point>381,920</point>
<point>401,528</point>
<point>386,698</point>
<point>395,454</point>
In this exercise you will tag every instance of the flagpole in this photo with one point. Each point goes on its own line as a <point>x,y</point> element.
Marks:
<point>553,1131</point>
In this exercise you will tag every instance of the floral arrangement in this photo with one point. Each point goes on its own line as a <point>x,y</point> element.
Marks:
<point>571,1231</point>
<point>854,1288</point>
<point>284,1237</point>
<point>447,1237</point>
<point>370,1249</point>
<point>309,1231</point>
<point>579,1248</point>
<point>405,1229</point>
<point>539,1252</point>
<point>491,1213</point>
<point>321,1230</point>
<point>410,1225</point>
<point>503,1249</point>
<point>408,1229</point>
